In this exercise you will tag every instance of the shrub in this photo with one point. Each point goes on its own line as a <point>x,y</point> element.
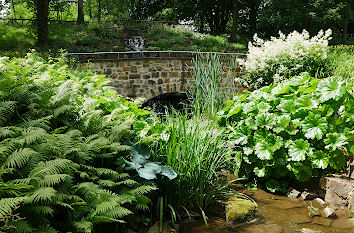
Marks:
<point>61,143</point>
<point>286,56</point>
<point>296,129</point>
<point>342,62</point>
<point>15,38</point>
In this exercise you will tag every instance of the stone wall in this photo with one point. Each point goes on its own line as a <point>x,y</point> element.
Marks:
<point>152,77</point>
<point>145,77</point>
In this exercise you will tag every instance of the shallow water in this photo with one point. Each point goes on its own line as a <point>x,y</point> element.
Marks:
<point>280,215</point>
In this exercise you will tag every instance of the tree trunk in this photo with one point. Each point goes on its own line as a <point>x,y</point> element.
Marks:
<point>234,21</point>
<point>42,8</point>
<point>99,10</point>
<point>253,17</point>
<point>201,27</point>
<point>90,9</point>
<point>13,8</point>
<point>80,12</point>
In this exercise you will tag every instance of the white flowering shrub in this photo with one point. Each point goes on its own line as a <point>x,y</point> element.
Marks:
<point>285,56</point>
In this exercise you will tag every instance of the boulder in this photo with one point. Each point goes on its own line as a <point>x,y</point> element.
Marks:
<point>165,228</point>
<point>293,193</point>
<point>321,202</point>
<point>240,211</point>
<point>308,195</point>
<point>329,212</point>
<point>338,190</point>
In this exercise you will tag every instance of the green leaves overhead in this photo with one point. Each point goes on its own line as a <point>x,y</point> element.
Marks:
<point>302,125</point>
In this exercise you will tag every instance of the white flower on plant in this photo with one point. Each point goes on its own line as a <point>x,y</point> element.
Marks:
<point>285,50</point>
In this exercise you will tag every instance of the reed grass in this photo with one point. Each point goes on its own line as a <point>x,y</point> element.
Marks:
<point>198,152</point>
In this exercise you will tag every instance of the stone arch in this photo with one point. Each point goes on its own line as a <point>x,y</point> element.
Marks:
<point>159,103</point>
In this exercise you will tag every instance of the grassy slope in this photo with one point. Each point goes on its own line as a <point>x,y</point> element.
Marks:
<point>95,37</point>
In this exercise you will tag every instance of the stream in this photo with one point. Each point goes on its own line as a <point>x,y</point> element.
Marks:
<point>280,214</point>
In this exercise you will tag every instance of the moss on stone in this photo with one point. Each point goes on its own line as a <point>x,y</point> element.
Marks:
<point>240,210</point>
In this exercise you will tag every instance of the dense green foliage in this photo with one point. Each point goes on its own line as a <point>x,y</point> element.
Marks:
<point>342,62</point>
<point>61,146</point>
<point>299,128</point>
<point>110,37</point>
<point>162,37</point>
<point>198,151</point>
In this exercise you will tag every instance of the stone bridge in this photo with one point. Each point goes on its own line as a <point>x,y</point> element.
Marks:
<point>150,74</point>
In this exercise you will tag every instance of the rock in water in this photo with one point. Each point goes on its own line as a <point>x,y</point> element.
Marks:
<point>329,212</point>
<point>308,195</point>
<point>321,202</point>
<point>240,211</point>
<point>293,193</point>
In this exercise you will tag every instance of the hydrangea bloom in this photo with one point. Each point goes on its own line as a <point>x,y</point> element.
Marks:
<point>284,56</point>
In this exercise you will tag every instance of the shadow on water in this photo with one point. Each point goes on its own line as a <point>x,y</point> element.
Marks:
<point>280,214</point>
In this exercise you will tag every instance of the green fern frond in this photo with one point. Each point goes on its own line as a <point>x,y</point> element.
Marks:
<point>7,108</point>
<point>8,204</point>
<point>107,172</point>
<point>33,134</point>
<point>46,229</point>
<point>51,180</point>
<point>142,203</point>
<point>84,226</point>
<point>51,167</point>
<point>21,226</point>
<point>13,189</point>
<point>7,132</point>
<point>19,158</point>
<point>118,212</point>
<point>107,183</point>
<point>42,195</point>
<point>105,219</point>
<point>43,123</point>
<point>40,210</point>
<point>141,190</point>
<point>62,109</point>
<point>127,182</point>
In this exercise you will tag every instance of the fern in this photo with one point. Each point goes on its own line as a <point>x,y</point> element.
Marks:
<point>7,108</point>
<point>19,158</point>
<point>61,139</point>
<point>8,204</point>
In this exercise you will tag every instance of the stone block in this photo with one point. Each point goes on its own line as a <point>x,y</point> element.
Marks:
<point>123,77</point>
<point>155,74</point>
<point>173,75</point>
<point>164,74</point>
<point>151,82</point>
<point>133,69</point>
<point>126,68</point>
<point>134,76</point>
<point>113,76</point>
<point>146,76</point>
<point>160,81</point>
<point>338,190</point>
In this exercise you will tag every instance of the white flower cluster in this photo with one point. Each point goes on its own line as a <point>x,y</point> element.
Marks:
<point>295,47</point>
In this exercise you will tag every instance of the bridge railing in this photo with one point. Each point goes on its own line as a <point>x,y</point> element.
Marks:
<point>140,55</point>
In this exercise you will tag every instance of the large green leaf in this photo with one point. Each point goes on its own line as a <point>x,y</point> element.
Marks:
<point>298,150</point>
<point>314,126</point>
<point>335,141</point>
<point>266,144</point>
<point>331,88</point>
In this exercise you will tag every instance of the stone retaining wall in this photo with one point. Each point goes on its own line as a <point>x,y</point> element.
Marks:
<point>148,78</point>
<point>145,78</point>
